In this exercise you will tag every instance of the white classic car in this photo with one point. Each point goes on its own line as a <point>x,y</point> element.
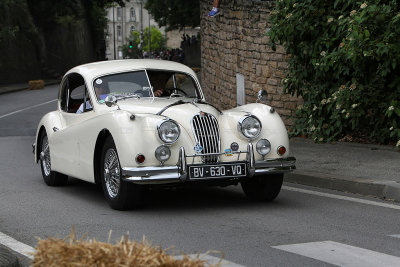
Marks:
<point>132,124</point>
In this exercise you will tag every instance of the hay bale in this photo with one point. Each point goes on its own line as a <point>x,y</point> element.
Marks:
<point>196,69</point>
<point>73,252</point>
<point>36,85</point>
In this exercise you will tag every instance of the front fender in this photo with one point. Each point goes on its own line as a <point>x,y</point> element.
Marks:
<point>273,127</point>
<point>49,123</point>
<point>139,136</point>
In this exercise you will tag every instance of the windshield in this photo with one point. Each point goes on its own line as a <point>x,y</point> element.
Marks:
<point>158,83</point>
<point>122,85</point>
<point>172,84</point>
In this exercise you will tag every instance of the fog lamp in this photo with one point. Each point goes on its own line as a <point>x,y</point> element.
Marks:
<point>263,147</point>
<point>163,153</point>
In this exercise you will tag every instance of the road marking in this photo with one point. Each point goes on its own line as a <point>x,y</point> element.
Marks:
<point>211,260</point>
<point>396,236</point>
<point>353,199</point>
<point>17,246</point>
<point>35,106</point>
<point>341,254</point>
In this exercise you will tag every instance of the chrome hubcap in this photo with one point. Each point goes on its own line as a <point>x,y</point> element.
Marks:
<point>45,156</point>
<point>112,173</point>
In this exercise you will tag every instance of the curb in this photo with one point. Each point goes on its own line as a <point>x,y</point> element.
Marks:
<point>7,258</point>
<point>10,89</point>
<point>21,87</point>
<point>389,190</point>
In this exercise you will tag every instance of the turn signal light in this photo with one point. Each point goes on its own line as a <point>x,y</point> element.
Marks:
<point>140,158</point>
<point>281,150</point>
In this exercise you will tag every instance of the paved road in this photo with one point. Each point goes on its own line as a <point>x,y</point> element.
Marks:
<point>303,227</point>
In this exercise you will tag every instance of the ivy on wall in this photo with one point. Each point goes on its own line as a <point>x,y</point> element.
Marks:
<point>344,60</point>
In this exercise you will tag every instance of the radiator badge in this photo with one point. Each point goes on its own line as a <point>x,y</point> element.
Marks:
<point>228,152</point>
<point>202,113</point>
<point>198,148</point>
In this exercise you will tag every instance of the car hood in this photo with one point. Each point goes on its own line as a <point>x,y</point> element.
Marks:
<point>181,113</point>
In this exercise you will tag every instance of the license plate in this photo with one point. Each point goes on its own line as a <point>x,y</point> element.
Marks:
<point>221,170</point>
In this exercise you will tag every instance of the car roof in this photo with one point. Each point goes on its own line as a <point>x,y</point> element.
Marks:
<point>95,69</point>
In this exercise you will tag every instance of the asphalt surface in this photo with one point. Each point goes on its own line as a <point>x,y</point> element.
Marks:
<point>200,219</point>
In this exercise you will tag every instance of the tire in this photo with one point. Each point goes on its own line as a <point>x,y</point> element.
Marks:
<point>7,258</point>
<point>120,195</point>
<point>51,178</point>
<point>263,188</point>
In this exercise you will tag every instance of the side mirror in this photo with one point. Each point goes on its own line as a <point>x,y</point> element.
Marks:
<point>110,100</point>
<point>262,95</point>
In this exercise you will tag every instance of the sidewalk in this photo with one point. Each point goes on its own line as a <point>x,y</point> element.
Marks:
<point>370,170</point>
<point>4,89</point>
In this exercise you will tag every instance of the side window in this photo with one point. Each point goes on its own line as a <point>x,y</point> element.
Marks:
<point>74,94</point>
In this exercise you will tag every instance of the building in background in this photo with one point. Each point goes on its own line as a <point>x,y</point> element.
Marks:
<point>122,21</point>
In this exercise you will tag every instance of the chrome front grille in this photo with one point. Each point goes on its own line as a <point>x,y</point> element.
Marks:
<point>206,132</point>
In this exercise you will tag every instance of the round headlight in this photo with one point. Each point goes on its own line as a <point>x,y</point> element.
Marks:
<point>263,147</point>
<point>250,127</point>
<point>163,153</point>
<point>168,131</point>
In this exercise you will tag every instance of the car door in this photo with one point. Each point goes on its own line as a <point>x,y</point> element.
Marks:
<point>75,108</point>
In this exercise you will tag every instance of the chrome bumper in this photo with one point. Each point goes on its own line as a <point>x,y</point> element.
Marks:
<point>179,173</point>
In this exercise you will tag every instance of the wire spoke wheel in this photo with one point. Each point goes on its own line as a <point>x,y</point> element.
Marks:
<point>46,162</point>
<point>50,177</point>
<point>111,171</point>
<point>120,194</point>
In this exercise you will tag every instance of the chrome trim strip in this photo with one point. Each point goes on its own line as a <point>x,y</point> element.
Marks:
<point>149,175</point>
<point>251,160</point>
<point>182,166</point>
<point>275,165</point>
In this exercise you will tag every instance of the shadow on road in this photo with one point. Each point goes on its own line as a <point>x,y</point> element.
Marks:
<point>188,198</point>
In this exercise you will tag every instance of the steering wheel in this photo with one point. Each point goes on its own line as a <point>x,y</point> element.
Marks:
<point>171,90</point>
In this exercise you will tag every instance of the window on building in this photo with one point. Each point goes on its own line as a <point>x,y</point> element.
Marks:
<point>133,28</point>
<point>119,13</point>
<point>133,14</point>
<point>120,52</point>
<point>119,32</point>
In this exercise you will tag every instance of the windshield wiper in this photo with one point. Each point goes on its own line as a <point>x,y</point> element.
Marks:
<point>179,102</point>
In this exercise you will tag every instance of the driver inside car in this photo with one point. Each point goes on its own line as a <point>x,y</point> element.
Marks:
<point>158,81</point>
<point>101,93</point>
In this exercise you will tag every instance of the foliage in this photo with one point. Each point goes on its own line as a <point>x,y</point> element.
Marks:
<point>175,14</point>
<point>135,51</point>
<point>344,60</point>
<point>158,42</point>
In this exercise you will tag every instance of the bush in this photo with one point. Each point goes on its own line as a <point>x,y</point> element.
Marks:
<point>344,60</point>
<point>157,40</point>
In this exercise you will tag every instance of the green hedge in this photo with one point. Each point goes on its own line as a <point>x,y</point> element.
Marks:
<point>344,60</point>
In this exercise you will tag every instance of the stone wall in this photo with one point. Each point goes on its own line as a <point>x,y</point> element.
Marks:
<point>235,42</point>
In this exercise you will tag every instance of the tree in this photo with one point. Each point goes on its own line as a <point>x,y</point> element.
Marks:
<point>157,39</point>
<point>135,51</point>
<point>175,14</point>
